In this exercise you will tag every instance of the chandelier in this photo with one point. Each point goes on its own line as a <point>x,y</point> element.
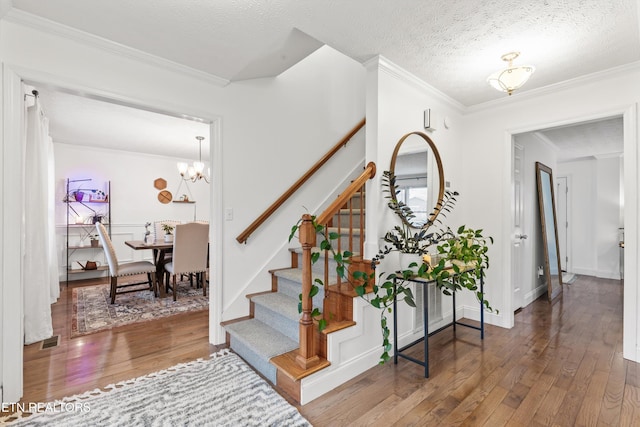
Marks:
<point>194,172</point>
<point>511,78</point>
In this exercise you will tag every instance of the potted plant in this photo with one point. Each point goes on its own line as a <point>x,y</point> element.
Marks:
<point>168,232</point>
<point>93,238</point>
<point>462,260</point>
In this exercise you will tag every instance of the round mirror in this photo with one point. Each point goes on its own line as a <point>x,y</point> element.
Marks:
<point>419,178</point>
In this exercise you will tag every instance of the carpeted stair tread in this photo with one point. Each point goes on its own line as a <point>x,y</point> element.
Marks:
<point>298,250</point>
<point>295,275</point>
<point>344,231</point>
<point>257,342</point>
<point>279,303</point>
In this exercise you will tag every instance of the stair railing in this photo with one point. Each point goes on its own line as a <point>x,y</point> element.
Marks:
<point>308,354</point>
<point>242,237</point>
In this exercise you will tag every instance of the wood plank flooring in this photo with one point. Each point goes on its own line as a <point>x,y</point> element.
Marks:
<point>561,365</point>
<point>96,360</point>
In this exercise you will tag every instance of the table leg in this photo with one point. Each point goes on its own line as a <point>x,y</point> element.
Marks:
<point>425,323</point>
<point>158,257</point>
<point>395,325</point>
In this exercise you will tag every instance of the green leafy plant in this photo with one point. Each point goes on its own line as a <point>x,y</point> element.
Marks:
<point>405,238</point>
<point>463,258</point>
<point>168,228</point>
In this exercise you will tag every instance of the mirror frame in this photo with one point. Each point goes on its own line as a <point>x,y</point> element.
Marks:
<point>543,204</point>
<point>436,155</point>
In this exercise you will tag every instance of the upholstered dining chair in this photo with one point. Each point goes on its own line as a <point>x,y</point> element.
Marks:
<point>117,269</point>
<point>190,246</point>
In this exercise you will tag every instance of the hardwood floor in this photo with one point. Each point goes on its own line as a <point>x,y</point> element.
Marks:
<point>94,361</point>
<point>560,365</point>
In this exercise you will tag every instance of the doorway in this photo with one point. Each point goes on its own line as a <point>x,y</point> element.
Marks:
<point>577,154</point>
<point>12,355</point>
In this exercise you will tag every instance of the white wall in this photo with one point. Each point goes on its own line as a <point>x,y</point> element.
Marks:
<point>595,215</point>
<point>133,196</point>
<point>400,102</point>
<point>535,150</point>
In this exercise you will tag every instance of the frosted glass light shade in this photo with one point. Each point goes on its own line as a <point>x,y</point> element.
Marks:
<point>182,168</point>
<point>198,166</point>
<point>510,79</point>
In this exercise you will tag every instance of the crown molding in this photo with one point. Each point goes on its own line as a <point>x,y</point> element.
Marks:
<point>556,87</point>
<point>20,17</point>
<point>381,63</point>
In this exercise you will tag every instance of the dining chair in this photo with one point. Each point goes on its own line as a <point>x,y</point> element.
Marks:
<point>164,256</point>
<point>117,269</point>
<point>190,246</point>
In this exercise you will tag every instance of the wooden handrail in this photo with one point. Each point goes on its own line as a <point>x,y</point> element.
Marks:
<point>242,237</point>
<point>368,173</point>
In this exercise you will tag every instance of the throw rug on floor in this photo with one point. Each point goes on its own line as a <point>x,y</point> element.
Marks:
<point>220,391</point>
<point>92,310</point>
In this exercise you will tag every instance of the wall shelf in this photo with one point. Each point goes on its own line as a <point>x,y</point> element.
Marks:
<point>81,220</point>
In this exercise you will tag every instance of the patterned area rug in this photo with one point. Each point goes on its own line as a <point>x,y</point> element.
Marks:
<point>220,391</point>
<point>92,310</point>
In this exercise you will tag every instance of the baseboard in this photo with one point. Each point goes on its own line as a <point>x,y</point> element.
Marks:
<point>534,295</point>
<point>326,380</point>
<point>602,274</point>
<point>473,313</point>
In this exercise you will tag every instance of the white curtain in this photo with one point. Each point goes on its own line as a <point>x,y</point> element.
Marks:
<point>40,267</point>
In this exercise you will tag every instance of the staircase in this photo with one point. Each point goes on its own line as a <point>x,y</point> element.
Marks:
<point>273,327</point>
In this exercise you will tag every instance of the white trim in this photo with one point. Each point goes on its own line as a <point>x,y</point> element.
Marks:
<point>216,332</point>
<point>401,74</point>
<point>507,317</point>
<point>11,231</point>
<point>630,342</point>
<point>535,294</point>
<point>20,17</point>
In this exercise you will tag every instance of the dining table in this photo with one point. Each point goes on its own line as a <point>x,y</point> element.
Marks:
<point>160,249</point>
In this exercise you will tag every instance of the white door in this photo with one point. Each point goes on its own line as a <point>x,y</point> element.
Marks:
<point>517,252</point>
<point>562,193</point>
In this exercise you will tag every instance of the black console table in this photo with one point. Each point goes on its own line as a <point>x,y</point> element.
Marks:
<point>425,297</point>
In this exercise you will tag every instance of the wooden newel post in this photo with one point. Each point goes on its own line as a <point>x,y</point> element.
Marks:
<point>307,356</point>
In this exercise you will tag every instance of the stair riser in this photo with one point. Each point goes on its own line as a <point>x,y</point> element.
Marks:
<point>356,201</point>
<point>318,267</point>
<point>293,289</point>
<point>256,361</point>
<point>343,219</point>
<point>283,324</point>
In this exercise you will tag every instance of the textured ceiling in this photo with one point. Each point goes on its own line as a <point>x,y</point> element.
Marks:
<point>82,121</point>
<point>452,45</point>
<point>596,139</point>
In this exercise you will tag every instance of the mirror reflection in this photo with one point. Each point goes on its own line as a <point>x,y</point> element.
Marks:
<point>546,200</point>
<point>419,177</point>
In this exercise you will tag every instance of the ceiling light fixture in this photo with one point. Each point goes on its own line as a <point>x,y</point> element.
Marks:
<point>511,78</point>
<point>194,172</point>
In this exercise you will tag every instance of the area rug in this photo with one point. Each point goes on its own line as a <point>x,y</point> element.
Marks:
<point>220,391</point>
<point>92,310</point>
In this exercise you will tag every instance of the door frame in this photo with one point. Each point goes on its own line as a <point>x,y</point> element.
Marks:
<point>630,344</point>
<point>567,246</point>
<point>11,359</point>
